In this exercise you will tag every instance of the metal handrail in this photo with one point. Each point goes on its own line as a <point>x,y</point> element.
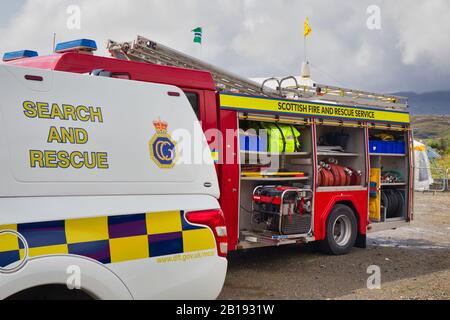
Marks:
<point>444,178</point>
<point>447,175</point>
<point>263,85</point>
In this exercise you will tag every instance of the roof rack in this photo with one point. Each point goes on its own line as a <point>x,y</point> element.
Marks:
<point>145,50</point>
<point>345,96</point>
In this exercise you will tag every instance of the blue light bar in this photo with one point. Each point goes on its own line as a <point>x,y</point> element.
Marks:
<point>81,44</point>
<point>10,56</point>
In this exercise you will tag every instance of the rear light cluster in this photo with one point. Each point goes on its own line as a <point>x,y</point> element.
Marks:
<point>215,220</point>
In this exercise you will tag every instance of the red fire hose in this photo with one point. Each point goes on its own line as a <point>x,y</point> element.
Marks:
<point>331,174</point>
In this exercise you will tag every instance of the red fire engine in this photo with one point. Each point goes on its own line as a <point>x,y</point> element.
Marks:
<point>345,164</point>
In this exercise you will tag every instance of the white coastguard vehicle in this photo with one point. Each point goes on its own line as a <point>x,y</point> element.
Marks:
<point>94,197</point>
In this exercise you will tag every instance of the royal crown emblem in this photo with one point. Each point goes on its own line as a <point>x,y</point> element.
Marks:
<point>163,150</point>
<point>161,126</point>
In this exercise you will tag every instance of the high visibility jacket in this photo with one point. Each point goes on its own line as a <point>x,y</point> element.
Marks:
<point>282,137</point>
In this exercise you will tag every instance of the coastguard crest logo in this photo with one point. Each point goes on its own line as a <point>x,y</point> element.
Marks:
<point>163,150</point>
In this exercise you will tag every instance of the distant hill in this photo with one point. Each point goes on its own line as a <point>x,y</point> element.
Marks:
<point>434,130</point>
<point>431,127</point>
<point>436,103</point>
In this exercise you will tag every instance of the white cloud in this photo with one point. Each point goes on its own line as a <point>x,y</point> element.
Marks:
<point>423,29</point>
<point>265,38</point>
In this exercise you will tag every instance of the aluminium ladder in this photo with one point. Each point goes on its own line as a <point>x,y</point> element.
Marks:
<point>145,50</point>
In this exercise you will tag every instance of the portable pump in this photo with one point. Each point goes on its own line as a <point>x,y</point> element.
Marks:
<point>284,210</point>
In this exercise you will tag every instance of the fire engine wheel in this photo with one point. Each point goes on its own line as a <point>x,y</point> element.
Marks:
<point>341,231</point>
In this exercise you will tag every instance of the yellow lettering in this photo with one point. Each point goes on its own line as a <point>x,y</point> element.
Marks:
<point>79,164</point>
<point>72,135</point>
<point>92,164</point>
<point>81,136</point>
<point>50,159</point>
<point>63,158</point>
<point>69,111</point>
<point>96,114</point>
<point>56,112</point>
<point>83,113</point>
<point>67,135</point>
<point>102,160</point>
<point>29,109</point>
<point>43,111</point>
<point>53,135</point>
<point>36,159</point>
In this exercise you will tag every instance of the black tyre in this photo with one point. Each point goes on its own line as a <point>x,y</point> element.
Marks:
<point>341,231</point>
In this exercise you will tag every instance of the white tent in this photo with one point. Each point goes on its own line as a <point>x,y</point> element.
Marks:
<point>422,176</point>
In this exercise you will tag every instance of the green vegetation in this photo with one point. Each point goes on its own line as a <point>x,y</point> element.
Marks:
<point>442,145</point>
<point>444,162</point>
<point>434,131</point>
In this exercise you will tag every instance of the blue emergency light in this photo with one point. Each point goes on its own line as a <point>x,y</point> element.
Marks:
<point>15,55</point>
<point>76,45</point>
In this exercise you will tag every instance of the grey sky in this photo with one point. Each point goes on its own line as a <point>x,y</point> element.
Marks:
<point>8,10</point>
<point>259,38</point>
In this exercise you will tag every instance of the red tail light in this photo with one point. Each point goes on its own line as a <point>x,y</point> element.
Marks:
<point>215,220</point>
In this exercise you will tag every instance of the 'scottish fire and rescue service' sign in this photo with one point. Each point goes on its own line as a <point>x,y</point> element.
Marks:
<point>310,109</point>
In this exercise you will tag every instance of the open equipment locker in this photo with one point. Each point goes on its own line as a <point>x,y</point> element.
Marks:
<point>300,161</point>
<point>401,164</point>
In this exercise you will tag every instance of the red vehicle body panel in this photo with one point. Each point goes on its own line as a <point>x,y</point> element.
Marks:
<point>325,201</point>
<point>138,71</point>
<point>212,117</point>
<point>229,177</point>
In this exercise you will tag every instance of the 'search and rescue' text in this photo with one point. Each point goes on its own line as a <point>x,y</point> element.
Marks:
<point>63,159</point>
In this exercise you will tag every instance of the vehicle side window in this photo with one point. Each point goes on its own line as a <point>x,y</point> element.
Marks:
<point>195,103</point>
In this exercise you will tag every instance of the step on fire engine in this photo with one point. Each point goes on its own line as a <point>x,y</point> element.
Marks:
<point>311,162</point>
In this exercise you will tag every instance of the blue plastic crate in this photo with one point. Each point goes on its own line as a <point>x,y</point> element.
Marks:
<point>252,142</point>
<point>262,143</point>
<point>399,148</point>
<point>388,147</point>
<point>373,146</point>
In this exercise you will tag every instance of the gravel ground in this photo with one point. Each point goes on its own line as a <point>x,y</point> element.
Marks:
<point>414,263</point>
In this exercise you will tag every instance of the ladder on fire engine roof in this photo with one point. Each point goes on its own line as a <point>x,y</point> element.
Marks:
<point>145,50</point>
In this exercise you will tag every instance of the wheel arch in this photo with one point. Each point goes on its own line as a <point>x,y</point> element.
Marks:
<point>51,292</point>
<point>362,226</point>
<point>348,200</point>
<point>352,206</point>
<point>96,280</point>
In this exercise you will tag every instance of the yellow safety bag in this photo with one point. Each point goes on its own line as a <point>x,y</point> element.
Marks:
<point>282,138</point>
<point>375,202</point>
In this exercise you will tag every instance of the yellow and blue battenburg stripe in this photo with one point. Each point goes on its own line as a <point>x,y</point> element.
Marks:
<point>108,240</point>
